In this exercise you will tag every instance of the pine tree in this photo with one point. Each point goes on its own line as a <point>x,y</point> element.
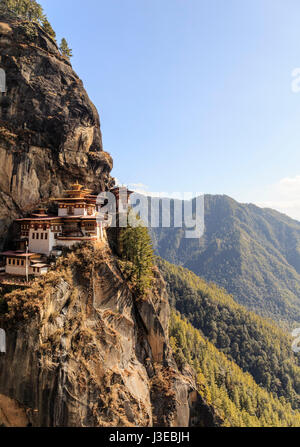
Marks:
<point>33,10</point>
<point>238,400</point>
<point>48,28</point>
<point>30,10</point>
<point>64,48</point>
<point>136,248</point>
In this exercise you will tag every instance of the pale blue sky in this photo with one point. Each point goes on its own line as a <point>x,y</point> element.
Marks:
<point>193,95</point>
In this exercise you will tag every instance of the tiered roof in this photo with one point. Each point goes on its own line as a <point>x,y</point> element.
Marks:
<point>75,194</point>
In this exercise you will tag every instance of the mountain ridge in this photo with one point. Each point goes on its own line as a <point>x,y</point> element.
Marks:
<point>254,253</point>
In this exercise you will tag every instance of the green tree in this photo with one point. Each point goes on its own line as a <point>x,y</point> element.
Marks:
<point>235,396</point>
<point>64,49</point>
<point>30,10</point>
<point>48,29</point>
<point>255,344</point>
<point>136,249</point>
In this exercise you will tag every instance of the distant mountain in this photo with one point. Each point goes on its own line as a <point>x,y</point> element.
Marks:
<point>253,253</point>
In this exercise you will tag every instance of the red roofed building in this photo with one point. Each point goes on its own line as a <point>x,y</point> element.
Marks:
<point>79,219</point>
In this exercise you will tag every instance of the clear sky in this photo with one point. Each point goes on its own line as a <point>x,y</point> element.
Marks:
<point>193,95</point>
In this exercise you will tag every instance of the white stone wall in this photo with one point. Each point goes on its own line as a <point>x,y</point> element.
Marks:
<point>20,270</point>
<point>43,246</point>
<point>16,270</point>
<point>41,271</point>
<point>80,212</point>
<point>62,211</point>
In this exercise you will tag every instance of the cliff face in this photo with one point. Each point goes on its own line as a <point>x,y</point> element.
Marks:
<point>49,129</point>
<point>81,351</point>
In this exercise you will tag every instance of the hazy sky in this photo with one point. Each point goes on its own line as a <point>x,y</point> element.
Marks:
<point>193,95</point>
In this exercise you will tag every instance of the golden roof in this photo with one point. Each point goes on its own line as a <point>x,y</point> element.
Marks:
<point>76,186</point>
<point>76,192</point>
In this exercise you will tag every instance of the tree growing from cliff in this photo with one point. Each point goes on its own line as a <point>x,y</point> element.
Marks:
<point>48,28</point>
<point>64,49</point>
<point>30,10</point>
<point>137,251</point>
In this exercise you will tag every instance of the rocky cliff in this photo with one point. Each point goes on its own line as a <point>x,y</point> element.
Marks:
<point>49,129</point>
<point>82,351</point>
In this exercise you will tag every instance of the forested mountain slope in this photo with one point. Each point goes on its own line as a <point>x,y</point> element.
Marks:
<point>253,253</point>
<point>256,345</point>
<point>238,400</point>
